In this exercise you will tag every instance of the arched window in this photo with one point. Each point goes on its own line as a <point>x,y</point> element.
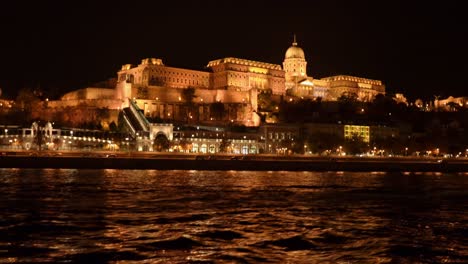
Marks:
<point>195,147</point>
<point>203,148</point>
<point>253,149</point>
<point>236,149</point>
<point>245,150</point>
<point>212,149</point>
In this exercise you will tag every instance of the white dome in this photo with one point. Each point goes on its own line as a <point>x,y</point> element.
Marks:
<point>294,52</point>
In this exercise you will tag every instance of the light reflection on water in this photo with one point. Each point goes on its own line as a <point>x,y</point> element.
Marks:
<point>127,216</point>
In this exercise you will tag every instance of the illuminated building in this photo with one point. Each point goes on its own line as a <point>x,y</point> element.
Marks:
<point>234,82</point>
<point>211,140</point>
<point>451,103</point>
<point>299,84</point>
<point>357,132</point>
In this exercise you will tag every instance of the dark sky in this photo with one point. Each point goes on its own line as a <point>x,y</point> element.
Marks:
<point>415,47</point>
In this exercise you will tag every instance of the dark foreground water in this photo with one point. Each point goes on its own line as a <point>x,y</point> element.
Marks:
<point>118,216</point>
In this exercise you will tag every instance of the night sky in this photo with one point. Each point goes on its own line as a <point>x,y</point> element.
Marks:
<point>415,47</point>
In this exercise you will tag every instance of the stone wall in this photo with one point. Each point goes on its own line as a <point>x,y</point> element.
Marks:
<point>99,103</point>
<point>90,93</point>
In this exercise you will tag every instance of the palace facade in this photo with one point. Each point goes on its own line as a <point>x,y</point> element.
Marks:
<point>234,82</point>
<point>298,83</point>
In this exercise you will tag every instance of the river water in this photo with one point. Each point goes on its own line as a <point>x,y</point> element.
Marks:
<point>150,216</point>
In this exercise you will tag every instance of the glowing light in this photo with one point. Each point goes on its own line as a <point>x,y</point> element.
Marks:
<point>258,70</point>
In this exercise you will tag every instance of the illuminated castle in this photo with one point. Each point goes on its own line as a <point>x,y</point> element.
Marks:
<point>234,82</point>
<point>329,88</point>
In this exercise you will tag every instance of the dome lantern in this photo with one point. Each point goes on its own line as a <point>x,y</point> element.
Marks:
<point>294,51</point>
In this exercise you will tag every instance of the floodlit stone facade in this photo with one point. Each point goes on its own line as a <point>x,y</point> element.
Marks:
<point>158,89</point>
<point>244,75</point>
<point>299,84</point>
<point>451,103</point>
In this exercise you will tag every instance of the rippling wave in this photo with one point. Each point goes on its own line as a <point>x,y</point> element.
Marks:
<point>133,216</point>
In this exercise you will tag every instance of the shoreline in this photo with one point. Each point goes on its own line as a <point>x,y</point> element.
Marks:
<point>189,163</point>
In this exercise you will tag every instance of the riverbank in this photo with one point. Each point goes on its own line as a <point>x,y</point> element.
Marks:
<point>165,163</point>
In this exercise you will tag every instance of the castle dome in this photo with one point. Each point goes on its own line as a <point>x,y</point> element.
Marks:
<point>294,51</point>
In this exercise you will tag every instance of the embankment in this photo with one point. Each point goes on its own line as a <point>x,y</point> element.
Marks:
<point>257,165</point>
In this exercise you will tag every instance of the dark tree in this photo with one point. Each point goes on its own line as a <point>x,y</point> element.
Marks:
<point>355,145</point>
<point>143,92</point>
<point>223,146</point>
<point>39,139</point>
<point>113,126</point>
<point>217,110</point>
<point>184,144</point>
<point>102,113</point>
<point>188,95</point>
<point>320,142</point>
<point>27,102</point>
<point>347,104</point>
<point>264,101</point>
<point>161,143</point>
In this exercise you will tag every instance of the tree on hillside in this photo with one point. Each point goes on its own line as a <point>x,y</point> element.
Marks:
<point>188,95</point>
<point>217,110</point>
<point>381,106</point>
<point>27,100</point>
<point>102,113</point>
<point>347,103</point>
<point>27,104</point>
<point>264,100</point>
<point>142,92</point>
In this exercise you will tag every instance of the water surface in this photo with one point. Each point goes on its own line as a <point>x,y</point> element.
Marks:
<point>150,216</point>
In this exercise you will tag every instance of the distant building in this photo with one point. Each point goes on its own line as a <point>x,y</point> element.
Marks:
<point>400,99</point>
<point>451,103</point>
